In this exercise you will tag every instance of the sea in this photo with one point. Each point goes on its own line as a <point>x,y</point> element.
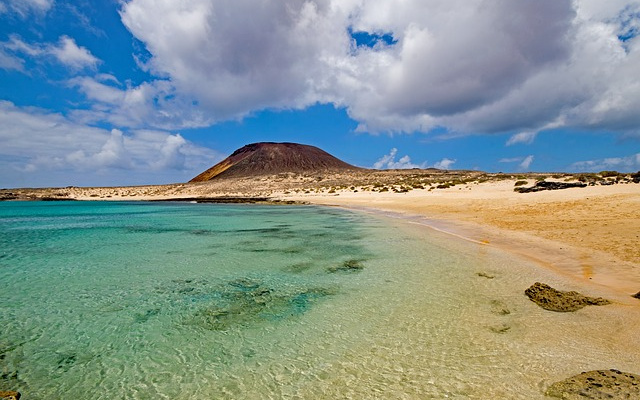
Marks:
<point>161,300</point>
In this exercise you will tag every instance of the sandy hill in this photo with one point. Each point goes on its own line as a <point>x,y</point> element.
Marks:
<point>273,158</point>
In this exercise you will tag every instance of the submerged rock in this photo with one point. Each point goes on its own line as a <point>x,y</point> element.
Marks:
<point>245,302</point>
<point>603,384</point>
<point>554,300</point>
<point>348,266</point>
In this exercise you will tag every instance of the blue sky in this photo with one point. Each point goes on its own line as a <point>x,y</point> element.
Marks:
<point>134,92</point>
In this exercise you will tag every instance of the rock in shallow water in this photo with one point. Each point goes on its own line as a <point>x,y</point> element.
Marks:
<point>603,384</point>
<point>347,266</point>
<point>554,300</point>
<point>10,395</point>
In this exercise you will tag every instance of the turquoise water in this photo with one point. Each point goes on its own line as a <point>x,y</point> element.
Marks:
<point>199,301</point>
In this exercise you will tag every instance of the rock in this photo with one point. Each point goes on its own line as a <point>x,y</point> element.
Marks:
<point>10,395</point>
<point>485,275</point>
<point>500,328</point>
<point>637,295</point>
<point>554,300</point>
<point>348,266</point>
<point>603,384</point>
<point>544,185</point>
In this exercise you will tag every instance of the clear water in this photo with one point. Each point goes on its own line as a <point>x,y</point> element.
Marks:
<point>200,301</point>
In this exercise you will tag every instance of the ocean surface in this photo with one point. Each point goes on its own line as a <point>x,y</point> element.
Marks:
<point>116,300</point>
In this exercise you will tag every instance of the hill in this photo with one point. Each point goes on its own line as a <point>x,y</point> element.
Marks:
<point>267,158</point>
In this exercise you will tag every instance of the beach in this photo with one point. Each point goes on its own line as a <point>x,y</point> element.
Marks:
<point>433,304</point>
<point>590,234</point>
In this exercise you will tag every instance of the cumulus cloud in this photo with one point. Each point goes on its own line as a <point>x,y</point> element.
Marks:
<point>445,163</point>
<point>35,140</point>
<point>153,104</point>
<point>388,161</point>
<point>479,67</point>
<point>72,55</point>
<point>629,163</point>
<point>66,52</point>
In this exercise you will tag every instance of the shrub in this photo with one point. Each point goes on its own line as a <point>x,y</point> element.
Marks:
<point>520,183</point>
<point>609,174</point>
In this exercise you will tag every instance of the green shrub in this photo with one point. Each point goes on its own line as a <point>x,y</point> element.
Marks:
<point>609,174</point>
<point>520,183</point>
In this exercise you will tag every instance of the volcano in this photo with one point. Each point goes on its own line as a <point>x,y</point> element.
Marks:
<point>268,158</point>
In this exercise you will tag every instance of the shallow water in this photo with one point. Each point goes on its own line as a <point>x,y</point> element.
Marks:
<point>198,301</point>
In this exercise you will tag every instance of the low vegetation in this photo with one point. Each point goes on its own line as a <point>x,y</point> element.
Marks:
<point>327,182</point>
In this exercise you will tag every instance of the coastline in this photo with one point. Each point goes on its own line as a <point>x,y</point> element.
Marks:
<point>528,238</point>
<point>589,234</point>
<point>481,215</point>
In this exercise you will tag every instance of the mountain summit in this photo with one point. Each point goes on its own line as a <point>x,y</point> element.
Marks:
<point>267,158</point>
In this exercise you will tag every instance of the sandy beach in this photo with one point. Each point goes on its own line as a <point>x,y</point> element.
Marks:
<point>579,239</point>
<point>589,234</point>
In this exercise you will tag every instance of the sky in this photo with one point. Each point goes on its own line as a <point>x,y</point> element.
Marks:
<point>130,92</point>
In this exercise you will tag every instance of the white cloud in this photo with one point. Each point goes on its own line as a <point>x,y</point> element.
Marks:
<point>389,162</point>
<point>66,52</point>
<point>35,140</point>
<point>153,104</point>
<point>445,163</point>
<point>526,137</point>
<point>25,7</point>
<point>72,55</point>
<point>523,162</point>
<point>479,67</point>
<point>526,163</point>
<point>8,61</point>
<point>628,163</point>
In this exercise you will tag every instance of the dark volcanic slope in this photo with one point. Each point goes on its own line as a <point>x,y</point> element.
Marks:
<point>273,158</point>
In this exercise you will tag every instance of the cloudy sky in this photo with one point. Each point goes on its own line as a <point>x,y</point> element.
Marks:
<point>118,92</point>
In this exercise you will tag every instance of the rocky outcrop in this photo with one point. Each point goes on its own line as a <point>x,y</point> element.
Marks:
<point>554,300</point>
<point>637,295</point>
<point>545,185</point>
<point>10,395</point>
<point>604,384</point>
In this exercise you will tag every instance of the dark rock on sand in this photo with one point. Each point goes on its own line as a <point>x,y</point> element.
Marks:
<point>604,384</point>
<point>10,395</point>
<point>637,295</point>
<point>544,185</point>
<point>554,300</point>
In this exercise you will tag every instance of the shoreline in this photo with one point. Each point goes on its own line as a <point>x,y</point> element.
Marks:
<point>588,234</point>
<point>584,265</point>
